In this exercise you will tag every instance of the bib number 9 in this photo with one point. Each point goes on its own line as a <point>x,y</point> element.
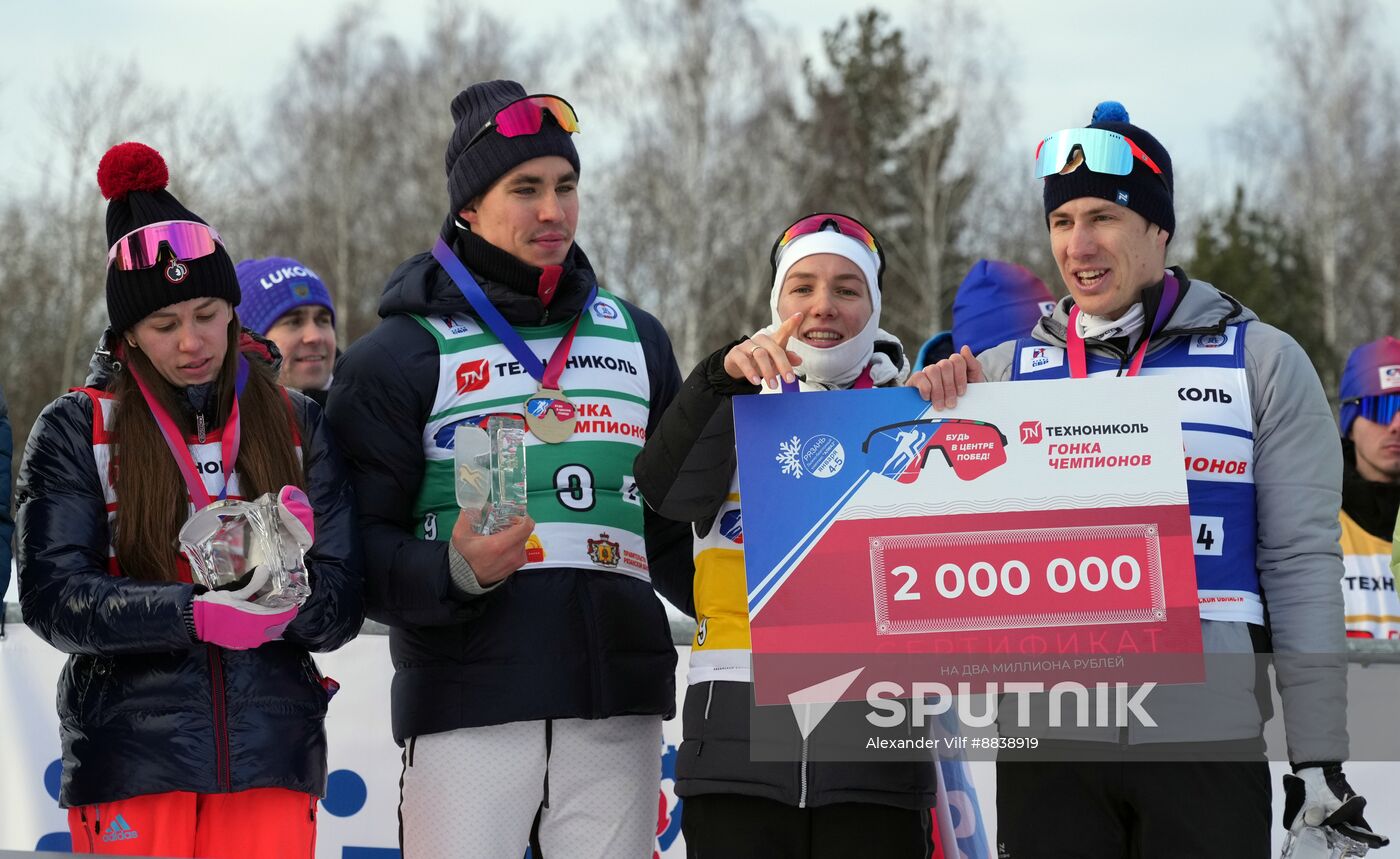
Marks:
<point>573,486</point>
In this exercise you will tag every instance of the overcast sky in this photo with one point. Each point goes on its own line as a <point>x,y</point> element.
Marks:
<point>1184,70</point>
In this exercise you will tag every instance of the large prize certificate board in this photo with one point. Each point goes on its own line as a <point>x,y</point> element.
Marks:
<point>1037,531</point>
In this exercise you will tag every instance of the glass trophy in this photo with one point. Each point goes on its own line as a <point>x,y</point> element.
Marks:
<point>508,488</point>
<point>1321,842</point>
<point>246,549</point>
<point>471,457</point>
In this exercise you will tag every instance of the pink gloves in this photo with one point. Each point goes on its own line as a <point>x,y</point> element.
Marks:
<point>298,519</point>
<point>236,623</point>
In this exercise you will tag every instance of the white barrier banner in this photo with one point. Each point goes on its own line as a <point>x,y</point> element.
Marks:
<point>359,816</point>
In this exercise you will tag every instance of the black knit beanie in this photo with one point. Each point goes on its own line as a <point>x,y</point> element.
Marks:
<point>133,177</point>
<point>470,172</point>
<point>1142,190</point>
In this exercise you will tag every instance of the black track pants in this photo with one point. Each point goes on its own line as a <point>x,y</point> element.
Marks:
<point>1107,809</point>
<point>730,826</point>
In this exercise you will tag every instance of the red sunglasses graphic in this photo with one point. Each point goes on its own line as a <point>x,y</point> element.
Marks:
<point>971,448</point>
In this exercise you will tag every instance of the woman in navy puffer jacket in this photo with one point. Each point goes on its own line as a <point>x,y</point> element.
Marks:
<point>192,722</point>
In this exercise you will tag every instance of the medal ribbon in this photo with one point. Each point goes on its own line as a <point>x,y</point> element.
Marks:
<point>547,376</point>
<point>864,380</point>
<point>1074,341</point>
<point>230,438</point>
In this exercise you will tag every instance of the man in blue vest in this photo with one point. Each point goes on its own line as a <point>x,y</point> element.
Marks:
<point>533,664</point>
<point>1264,473</point>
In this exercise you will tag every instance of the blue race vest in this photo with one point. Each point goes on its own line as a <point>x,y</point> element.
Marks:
<point>1217,428</point>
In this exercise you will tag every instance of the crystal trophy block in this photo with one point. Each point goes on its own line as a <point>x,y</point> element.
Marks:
<point>1317,842</point>
<point>508,488</point>
<point>471,458</point>
<point>245,548</point>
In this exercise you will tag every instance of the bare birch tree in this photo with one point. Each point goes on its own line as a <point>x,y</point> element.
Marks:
<point>997,208</point>
<point>1325,141</point>
<point>691,204</point>
<point>88,111</point>
<point>908,138</point>
<point>356,143</point>
<point>53,275</point>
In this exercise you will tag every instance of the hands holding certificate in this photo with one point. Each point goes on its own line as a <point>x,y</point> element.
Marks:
<point>942,383</point>
<point>764,357</point>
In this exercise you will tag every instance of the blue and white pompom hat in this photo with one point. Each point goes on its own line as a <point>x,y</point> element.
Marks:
<point>1143,190</point>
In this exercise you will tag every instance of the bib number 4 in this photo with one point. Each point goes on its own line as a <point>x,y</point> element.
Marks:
<point>1208,534</point>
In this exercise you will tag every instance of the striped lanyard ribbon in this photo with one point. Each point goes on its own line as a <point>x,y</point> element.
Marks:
<point>1074,341</point>
<point>547,376</point>
<point>174,439</point>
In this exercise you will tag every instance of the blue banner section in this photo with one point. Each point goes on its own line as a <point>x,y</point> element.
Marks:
<point>802,455</point>
<point>959,813</point>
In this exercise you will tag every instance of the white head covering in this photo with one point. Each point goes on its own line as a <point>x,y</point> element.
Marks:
<point>840,365</point>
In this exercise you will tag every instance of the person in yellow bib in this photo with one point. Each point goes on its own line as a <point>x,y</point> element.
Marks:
<point>825,335</point>
<point>1370,425</point>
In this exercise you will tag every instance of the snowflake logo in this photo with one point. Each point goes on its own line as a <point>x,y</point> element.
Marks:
<point>787,456</point>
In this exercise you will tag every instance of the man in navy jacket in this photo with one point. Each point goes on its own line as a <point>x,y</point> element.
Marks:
<point>533,665</point>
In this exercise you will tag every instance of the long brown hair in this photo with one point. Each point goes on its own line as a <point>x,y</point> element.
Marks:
<point>151,494</point>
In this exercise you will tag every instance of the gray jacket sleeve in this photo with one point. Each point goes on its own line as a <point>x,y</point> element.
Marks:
<point>1297,487</point>
<point>996,361</point>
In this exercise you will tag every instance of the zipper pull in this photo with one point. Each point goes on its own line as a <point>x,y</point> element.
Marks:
<point>199,423</point>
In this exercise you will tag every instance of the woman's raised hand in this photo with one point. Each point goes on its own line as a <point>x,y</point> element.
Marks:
<point>764,358</point>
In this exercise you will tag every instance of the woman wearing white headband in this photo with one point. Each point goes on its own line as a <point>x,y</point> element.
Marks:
<point>825,335</point>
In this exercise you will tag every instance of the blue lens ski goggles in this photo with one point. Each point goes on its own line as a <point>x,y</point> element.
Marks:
<point>1379,409</point>
<point>1104,151</point>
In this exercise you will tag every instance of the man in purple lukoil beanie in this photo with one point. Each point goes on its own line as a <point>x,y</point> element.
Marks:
<point>1263,470</point>
<point>286,302</point>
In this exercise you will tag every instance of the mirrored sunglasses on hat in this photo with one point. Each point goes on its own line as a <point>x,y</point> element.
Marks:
<point>1379,409</point>
<point>1104,152</point>
<point>843,224</point>
<point>525,116</point>
<point>140,248</point>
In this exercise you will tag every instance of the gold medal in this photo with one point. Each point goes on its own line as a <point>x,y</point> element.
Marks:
<point>550,415</point>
